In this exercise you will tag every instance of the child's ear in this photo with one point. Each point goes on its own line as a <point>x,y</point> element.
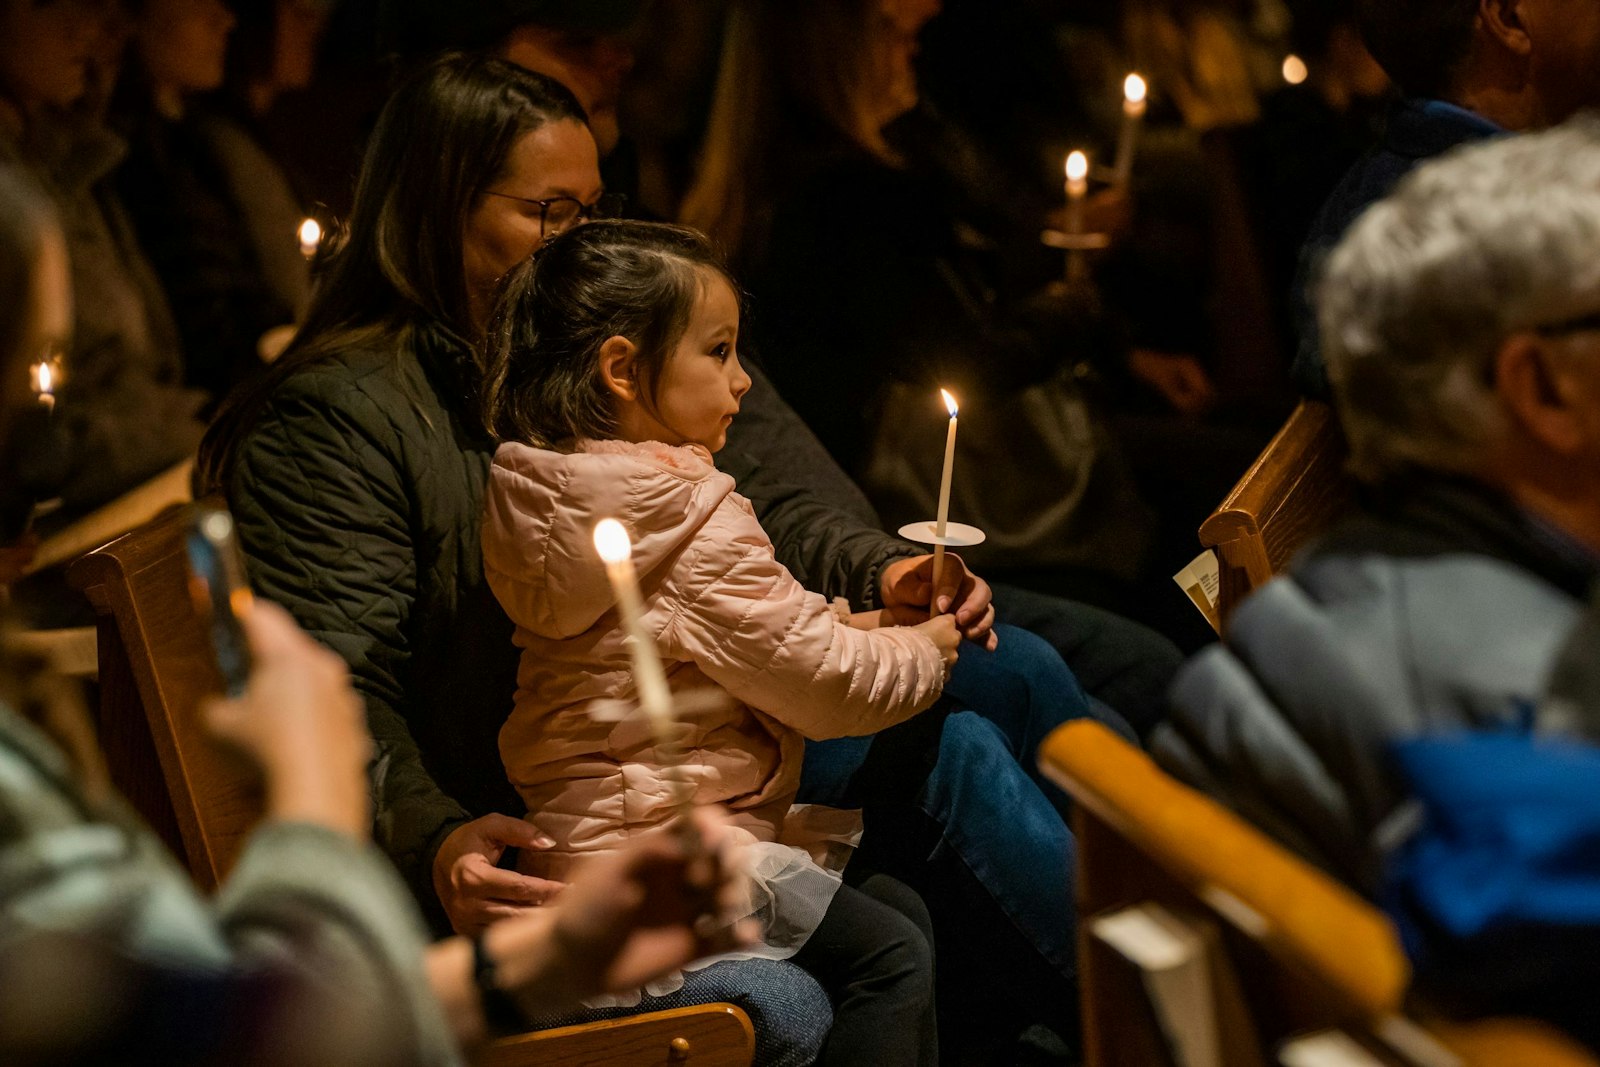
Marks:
<point>619,368</point>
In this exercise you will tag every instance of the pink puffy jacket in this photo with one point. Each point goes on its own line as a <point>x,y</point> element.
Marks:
<point>723,611</point>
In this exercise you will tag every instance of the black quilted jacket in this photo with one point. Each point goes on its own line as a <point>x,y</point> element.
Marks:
<point>359,496</point>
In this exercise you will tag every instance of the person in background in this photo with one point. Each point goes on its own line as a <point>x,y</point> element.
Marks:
<point>356,467</point>
<point>1467,70</point>
<point>123,408</point>
<point>1310,134</point>
<point>1461,318</point>
<point>272,53</point>
<point>180,192</point>
<point>312,952</point>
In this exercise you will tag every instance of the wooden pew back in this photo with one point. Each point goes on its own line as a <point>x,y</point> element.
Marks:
<point>1293,491</point>
<point>156,672</point>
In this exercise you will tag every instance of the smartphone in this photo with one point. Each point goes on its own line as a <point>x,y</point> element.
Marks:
<point>220,593</point>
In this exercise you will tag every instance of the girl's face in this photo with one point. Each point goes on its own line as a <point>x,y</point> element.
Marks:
<point>184,42</point>
<point>701,384</point>
<point>557,159</point>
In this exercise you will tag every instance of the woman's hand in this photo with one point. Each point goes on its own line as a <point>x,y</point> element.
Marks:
<point>906,586</point>
<point>302,725</point>
<point>473,889</point>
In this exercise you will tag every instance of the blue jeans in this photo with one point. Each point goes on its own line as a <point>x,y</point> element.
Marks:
<point>955,806</point>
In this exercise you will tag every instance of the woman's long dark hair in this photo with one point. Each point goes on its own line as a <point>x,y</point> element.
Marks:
<point>442,139</point>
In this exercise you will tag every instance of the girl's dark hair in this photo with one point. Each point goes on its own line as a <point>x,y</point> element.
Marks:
<point>442,139</point>
<point>638,280</point>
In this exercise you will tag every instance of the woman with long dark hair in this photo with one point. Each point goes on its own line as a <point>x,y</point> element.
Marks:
<point>356,471</point>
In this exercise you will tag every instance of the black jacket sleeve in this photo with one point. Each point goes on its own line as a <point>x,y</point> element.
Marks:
<point>822,527</point>
<point>323,516</point>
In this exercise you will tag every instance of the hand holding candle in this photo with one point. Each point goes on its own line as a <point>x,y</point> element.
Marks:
<point>1134,102</point>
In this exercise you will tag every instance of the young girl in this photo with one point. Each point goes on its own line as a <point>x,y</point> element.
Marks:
<point>614,378</point>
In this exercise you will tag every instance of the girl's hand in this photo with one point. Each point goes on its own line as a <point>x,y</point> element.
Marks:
<point>942,631</point>
<point>906,587</point>
<point>302,725</point>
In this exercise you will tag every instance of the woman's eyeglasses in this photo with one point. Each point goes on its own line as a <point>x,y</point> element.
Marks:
<point>560,213</point>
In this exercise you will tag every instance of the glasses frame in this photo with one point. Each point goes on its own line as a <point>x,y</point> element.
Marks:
<point>606,206</point>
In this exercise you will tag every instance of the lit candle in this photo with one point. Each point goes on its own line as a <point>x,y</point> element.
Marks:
<point>944,503</point>
<point>46,380</point>
<point>1134,103</point>
<point>310,234</point>
<point>1077,189</point>
<point>1295,71</point>
<point>614,546</point>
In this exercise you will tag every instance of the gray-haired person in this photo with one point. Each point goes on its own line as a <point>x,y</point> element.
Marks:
<point>1461,318</point>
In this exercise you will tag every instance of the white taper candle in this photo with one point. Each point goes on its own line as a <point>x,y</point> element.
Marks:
<point>944,502</point>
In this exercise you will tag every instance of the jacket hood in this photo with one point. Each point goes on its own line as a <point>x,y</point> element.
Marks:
<point>541,511</point>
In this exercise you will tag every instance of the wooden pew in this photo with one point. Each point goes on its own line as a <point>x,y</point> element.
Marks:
<point>1289,952</point>
<point>156,669</point>
<point>1293,491</point>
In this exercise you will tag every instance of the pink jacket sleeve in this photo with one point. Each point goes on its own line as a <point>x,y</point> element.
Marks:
<point>750,627</point>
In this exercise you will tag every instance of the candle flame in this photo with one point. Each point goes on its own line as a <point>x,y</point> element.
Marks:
<point>310,234</point>
<point>1077,167</point>
<point>612,541</point>
<point>46,379</point>
<point>1134,89</point>
<point>1294,70</point>
<point>949,402</point>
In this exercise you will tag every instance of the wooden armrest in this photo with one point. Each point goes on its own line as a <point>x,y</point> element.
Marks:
<point>706,1035</point>
<point>129,511</point>
<point>1522,1042</point>
<point>1292,909</point>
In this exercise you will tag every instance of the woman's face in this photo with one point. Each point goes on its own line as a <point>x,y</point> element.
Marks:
<point>557,159</point>
<point>45,50</point>
<point>184,42</point>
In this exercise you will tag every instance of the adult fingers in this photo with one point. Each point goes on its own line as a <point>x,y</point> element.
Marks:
<point>480,879</point>
<point>510,831</point>
<point>948,582</point>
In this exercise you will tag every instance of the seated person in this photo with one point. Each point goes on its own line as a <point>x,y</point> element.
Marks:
<point>1460,321</point>
<point>615,376</point>
<point>1466,71</point>
<point>313,953</point>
